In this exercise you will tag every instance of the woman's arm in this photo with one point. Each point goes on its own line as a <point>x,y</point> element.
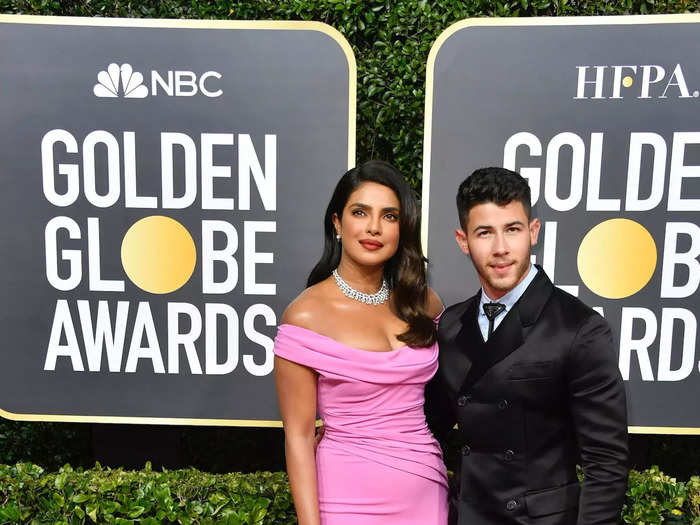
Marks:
<point>296,393</point>
<point>433,304</point>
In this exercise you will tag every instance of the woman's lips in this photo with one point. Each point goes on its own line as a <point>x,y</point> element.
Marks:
<point>371,245</point>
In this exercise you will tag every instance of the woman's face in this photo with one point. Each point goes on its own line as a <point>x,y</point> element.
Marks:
<point>369,227</point>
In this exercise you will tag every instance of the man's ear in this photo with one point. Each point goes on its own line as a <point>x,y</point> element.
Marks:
<point>336,224</point>
<point>534,231</point>
<point>461,238</point>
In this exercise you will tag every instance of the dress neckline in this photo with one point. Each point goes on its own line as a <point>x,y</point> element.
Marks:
<point>314,332</point>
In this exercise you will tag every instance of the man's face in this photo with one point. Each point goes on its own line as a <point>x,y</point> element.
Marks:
<point>499,240</point>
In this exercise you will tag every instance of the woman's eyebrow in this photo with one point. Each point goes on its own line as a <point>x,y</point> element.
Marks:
<point>368,207</point>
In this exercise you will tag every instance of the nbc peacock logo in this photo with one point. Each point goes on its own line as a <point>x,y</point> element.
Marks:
<point>118,81</point>
<point>122,81</point>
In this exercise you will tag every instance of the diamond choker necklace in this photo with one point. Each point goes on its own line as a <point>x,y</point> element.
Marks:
<point>368,298</point>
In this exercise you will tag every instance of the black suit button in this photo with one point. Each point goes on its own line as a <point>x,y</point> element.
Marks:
<point>511,505</point>
<point>508,455</point>
<point>502,404</point>
<point>466,450</point>
<point>461,401</point>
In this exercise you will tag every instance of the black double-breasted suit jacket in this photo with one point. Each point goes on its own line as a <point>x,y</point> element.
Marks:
<point>542,395</point>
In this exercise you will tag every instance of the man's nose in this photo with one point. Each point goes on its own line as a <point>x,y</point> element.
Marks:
<point>500,244</point>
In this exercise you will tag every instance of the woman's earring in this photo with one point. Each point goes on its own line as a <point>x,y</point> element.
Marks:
<point>337,237</point>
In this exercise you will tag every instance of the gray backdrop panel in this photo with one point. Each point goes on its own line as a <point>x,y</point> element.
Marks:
<point>490,82</point>
<point>291,83</point>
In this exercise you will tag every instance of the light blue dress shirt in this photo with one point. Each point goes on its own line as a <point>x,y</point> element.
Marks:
<point>508,300</point>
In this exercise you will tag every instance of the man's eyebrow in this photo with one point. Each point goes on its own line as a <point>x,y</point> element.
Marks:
<point>482,227</point>
<point>490,227</point>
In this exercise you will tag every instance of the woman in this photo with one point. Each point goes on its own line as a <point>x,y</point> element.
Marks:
<point>358,345</point>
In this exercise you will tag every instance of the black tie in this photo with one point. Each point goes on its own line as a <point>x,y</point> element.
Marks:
<point>492,310</point>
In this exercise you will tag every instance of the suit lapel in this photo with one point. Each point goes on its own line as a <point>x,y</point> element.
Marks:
<point>535,298</point>
<point>509,336</point>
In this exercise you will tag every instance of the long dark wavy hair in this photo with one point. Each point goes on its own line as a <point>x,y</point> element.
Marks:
<point>405,271</point>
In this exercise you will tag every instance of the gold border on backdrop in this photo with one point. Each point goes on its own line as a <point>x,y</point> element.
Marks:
<point>193,24</point>
<point>68,418</point>
<point>511,22</point>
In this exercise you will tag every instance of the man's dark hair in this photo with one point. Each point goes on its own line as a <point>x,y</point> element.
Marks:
<point>497,185</point>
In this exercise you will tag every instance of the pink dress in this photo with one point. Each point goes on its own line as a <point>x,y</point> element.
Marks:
<point>378,463</point>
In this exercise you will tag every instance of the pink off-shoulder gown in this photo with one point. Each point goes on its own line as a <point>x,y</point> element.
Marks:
<point>378,463</point>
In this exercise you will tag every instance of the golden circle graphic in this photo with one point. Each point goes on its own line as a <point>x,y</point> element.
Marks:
<point>158,254</point>
<point>627,81</point>
<point>617,258</point>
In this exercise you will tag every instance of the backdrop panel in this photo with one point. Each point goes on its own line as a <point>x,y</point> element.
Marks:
<point>602,116</point>
<point>162,190</point>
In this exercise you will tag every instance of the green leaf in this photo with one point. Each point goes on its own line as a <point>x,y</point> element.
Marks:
<point>92,511</point>
<point>80,498</point>
<point>9,513</point>
<point>60,481</point>
<point>217,498</point>
<point>58,500</point>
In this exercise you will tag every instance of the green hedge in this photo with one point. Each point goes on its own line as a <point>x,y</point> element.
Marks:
<point>653,497</point>
<point>29,495</point>
<point>391,41</point>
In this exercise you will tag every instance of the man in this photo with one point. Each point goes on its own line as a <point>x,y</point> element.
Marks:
<point>529,374</point>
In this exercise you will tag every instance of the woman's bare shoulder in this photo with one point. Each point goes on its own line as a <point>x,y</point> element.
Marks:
<point>309,306</point>
<point>433,304</point>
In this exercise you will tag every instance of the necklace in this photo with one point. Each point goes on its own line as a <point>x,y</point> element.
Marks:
<point>368,298</point>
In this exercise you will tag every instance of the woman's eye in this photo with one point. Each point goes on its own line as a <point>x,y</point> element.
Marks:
<point>392,216</point>
<point>358,212</point>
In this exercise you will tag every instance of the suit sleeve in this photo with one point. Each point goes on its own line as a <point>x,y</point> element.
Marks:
<point>441,419</point>
<point>438,408</point>
<point>599,412</point>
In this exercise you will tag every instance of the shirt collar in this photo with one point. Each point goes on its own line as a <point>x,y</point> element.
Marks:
<point>512,296</point>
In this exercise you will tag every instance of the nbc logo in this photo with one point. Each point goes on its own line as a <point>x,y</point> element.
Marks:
<point>131,82</point>
<point>123,81</point>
